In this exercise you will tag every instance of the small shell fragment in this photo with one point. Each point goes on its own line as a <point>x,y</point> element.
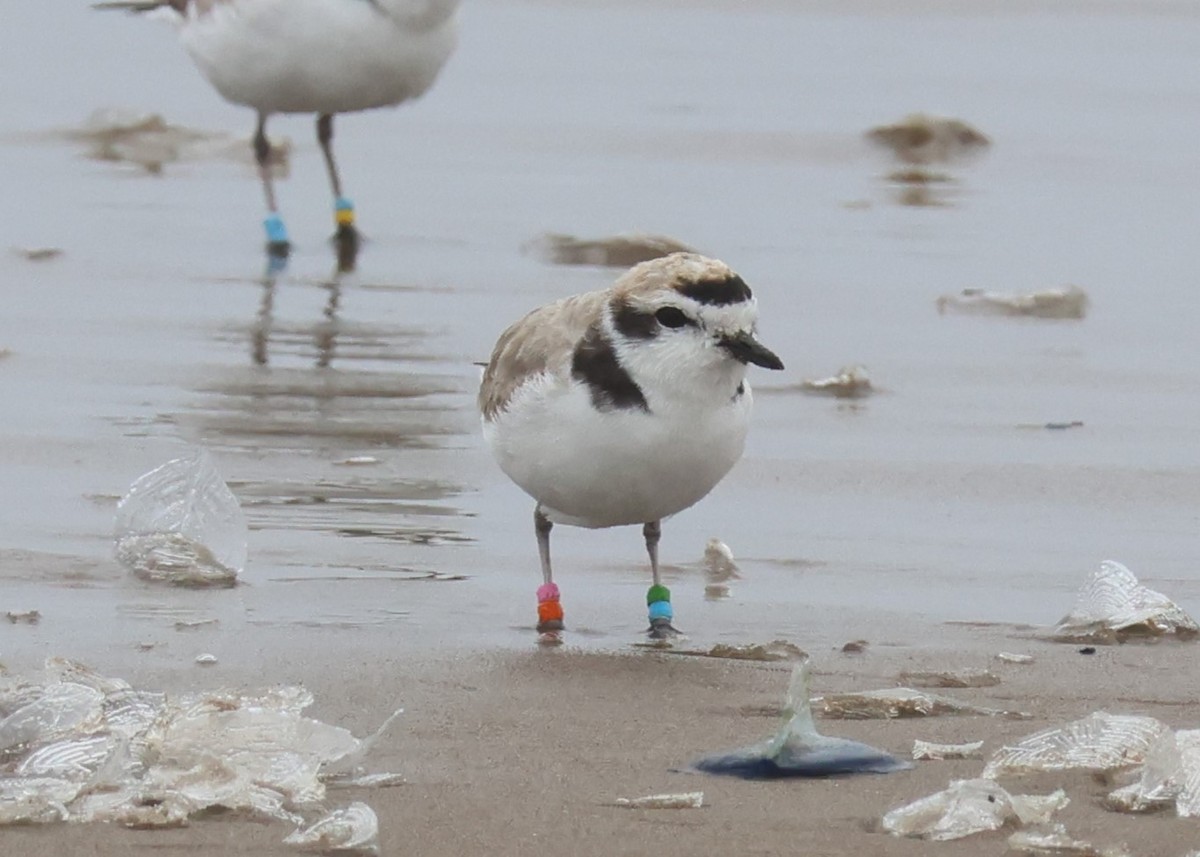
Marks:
<point>851,382</point>
<point>927,750</point>
<point>1014,658</point>
<point>684,800</point>
<point>206,659</point>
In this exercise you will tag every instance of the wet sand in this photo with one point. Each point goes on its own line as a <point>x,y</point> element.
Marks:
<point>409,580</point>
<point>505,753</point>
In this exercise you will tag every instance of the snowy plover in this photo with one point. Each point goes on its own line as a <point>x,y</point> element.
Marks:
<point>626,405</point>
<point>311,56</point>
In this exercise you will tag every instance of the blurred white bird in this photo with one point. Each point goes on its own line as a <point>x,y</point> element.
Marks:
<point>311,56</point>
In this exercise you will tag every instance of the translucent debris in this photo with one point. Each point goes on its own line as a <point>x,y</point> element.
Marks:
<point>1055,840</point>
<point>206,660</point>
<point>719,568</point>
<point>684,800</point>
<point>950,678</point>
<point>1100,742</point>
<point>181,524</point>
<point>618,251</point>
<point>147,140</point>
<point>968,807</point>
<point>358,460</point>
<point>1014,658</point>
<point>1169,778</point>
<point>1113,606</point>
<point>35,800</point>
<point>719,561</point>
<point>927,750</point>
<point>54,712</point>
<point>776,650</point>
<point>798,750</point>
<point>353,830</point>
<point>79,746</point>
<point>24,617</point>
<point>851,382</point>
<point>923,139</point>
<point>1064,302</point>
<point>38,254</point>
<point>383,779</point>
<point>902,702</point>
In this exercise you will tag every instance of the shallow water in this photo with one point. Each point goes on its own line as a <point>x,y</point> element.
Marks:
<point>735,129</point>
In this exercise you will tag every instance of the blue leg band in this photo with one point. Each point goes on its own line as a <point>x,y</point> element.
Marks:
<point>661,610</point>
<point>276,231</point>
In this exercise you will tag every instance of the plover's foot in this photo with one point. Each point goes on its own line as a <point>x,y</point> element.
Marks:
<point>662,629</point>
<point>550,633</point>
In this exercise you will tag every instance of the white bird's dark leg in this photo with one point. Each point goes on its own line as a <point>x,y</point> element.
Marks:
<point>550,612</point>
<point>658,599</point>
<point>277,239</point>
<point>343,208</point>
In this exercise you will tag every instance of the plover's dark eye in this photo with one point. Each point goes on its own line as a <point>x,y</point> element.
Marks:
<point>670,316</point>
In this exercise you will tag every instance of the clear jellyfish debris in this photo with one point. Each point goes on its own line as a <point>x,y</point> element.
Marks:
<point>1114,607</point>
<point>798,750</point>
<point>1168,779</point>
<point>618,251</point>
<point>683,800</point>
<point>950,678</point>
<point>851,382</point>
<point>78,746</point>
<point>352,830</point>
<point>719,568</point>
<point>968,807</point>
<point>1067,302</point>
<point>1014,658</point>
<point>776,650</point>
<point>1100,742</point>
<point>895,702</point>
<point>927,750</point>
<point>1054,840</point>
<point>150,142</point>
<point>181,524</point>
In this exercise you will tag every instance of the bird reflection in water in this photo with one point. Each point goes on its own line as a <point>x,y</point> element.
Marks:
<point>346,243</point>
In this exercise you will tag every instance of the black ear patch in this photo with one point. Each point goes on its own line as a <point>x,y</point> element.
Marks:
<point>721,292</point>
<point>595,364</point>
<point>631,323</point>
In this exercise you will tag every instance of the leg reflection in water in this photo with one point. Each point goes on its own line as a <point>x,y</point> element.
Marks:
<point>325,331</point>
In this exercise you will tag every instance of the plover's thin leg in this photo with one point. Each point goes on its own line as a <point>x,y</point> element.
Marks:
<point>277,240</point>
<point>658,599</point>
<point>550,612</point>
<point>343,208</point>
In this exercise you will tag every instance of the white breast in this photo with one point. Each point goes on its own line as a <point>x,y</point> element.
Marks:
<point>320,56</point>
<point>614,468</point>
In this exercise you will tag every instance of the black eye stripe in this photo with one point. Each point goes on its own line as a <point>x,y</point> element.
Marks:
<point>723,292</point>
<point>631,323</point>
